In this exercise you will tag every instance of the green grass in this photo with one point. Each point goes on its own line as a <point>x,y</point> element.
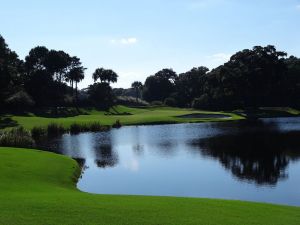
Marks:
<point>291,111</point>
<point>39,188</point>
<point>149,115</point>
<point>268,112</point>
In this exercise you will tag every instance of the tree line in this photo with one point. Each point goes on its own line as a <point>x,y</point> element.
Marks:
<point>49,78</point>
<point>261,76</point>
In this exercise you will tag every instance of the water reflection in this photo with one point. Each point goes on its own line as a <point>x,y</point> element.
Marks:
<point>105,156</point>
<point>259,160</point>
<point>138,149</point>
<point>260,153</point>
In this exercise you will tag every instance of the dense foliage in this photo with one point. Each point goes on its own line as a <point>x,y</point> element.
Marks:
<point>42,80</point>
<point>10,72</point>
<point>261,76</point>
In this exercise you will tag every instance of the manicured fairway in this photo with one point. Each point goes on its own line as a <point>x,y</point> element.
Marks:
<point>148,115</point>
<point>135,116</point>
<point>38,188</point>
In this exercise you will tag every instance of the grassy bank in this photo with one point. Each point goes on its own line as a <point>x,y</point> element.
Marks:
<point>126,115</point>
<point>269,112</point>
<point>136,116</point>
<point>39,188</point>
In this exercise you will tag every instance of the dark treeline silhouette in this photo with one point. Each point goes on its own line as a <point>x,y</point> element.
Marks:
<point>261,76</point>
<point>42,80</point>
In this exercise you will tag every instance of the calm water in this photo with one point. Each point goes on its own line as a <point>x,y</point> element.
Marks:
<point>254,160</point>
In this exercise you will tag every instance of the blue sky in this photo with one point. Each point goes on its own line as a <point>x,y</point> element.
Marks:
<point>136,38</point>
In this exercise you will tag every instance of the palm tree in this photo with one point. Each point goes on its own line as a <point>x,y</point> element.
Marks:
<point>76,74</point>
<point>105,76</point>
<point>71,75</point>
<point>137,85</point>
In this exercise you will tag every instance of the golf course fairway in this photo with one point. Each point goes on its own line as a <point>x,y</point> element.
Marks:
<point>39,188</point>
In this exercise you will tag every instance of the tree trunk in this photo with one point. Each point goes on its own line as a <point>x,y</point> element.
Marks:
<point>72,83</point>
<point>76,92</point>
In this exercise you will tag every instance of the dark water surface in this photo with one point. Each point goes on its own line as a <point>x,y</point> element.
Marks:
<point>247,160</point>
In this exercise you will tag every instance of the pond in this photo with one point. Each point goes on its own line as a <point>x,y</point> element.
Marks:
<point>255,160</point>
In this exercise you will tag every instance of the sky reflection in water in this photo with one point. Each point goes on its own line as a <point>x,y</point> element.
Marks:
<point>248,160</point>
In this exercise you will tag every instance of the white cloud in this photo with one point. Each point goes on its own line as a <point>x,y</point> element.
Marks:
<point>298,6</point>
<point>124,41</point>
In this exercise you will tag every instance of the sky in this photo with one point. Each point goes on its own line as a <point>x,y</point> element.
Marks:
<point>137,38</point>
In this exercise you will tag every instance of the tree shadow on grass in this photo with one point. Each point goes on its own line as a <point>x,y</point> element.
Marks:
<point>51,112</point>
<point>113,111</point>
<point>59,112</point>
<point>6,122</point>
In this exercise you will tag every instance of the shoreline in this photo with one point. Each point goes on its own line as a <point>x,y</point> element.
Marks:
<point>49,194</point>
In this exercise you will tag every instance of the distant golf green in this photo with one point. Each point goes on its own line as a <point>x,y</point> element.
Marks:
<point>126,115</point>
<point>139,116</point>
<point>39,188</point>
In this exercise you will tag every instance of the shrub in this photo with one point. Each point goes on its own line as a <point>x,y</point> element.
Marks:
<point>20,100</point>
<point>68,100</point>
<point>38,132</point>
<point>130,101</point>
<point>170,102</point>
<point>54,129</point>
<point>157,103</point>
<point>94,127</point>
<point>76,128</point>
<point>117,124</point>
<point>17,137</point>
<point>101,95</point>
<point>201,103</point>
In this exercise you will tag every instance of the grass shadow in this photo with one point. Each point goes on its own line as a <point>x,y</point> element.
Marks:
<point>6,122</point>
<point>113,111</point>
<point>59,112</point>
<point>265,113</point>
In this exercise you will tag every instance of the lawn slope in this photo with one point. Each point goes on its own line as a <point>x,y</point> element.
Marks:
<point>126,115</point>
<point>39,188</point>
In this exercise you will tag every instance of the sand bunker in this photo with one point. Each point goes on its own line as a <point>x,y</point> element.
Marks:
<point>204,116</point>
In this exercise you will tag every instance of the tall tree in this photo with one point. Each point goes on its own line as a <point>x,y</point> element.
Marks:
<point>36,59</point>
<point>251,78</point>
<point>159,86</point>
<point>292,81</point>
<point>46,72</point>
<point>58,63</point>
<point>72,74</point>
<point>137,86</point>
<point>101,95</point>
<point>105,75</point>
<point>77,75</point>
<point>167,74</point>
<point>39,82</point>
<point>189,85</point>
<point>11,71</point>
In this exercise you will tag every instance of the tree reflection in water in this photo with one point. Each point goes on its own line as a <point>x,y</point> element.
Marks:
<point>106,156</point>
<point>257,152</point>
